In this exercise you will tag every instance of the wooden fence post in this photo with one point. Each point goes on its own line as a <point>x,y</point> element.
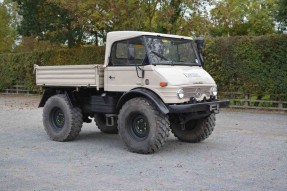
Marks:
<point>247,97</point>
<point>280,105</point>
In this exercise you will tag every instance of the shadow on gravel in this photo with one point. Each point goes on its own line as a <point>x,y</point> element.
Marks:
<point>99,138</point>
<point>113,141</point>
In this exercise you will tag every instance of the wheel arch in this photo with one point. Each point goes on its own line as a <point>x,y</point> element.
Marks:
<point>53,91</point>
<point>143,92</point>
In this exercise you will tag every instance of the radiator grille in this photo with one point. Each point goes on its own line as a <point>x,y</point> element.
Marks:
<point>196,92</point>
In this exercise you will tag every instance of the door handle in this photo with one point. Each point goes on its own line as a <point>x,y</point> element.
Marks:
<point>111,77</point>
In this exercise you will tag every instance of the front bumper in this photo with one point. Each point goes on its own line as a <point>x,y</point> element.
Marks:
<point>196,107</point>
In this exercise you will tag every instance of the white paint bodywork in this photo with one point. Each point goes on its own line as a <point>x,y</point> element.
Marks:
<point>194,80</point>
<point>184,75</point>
<point>190,78</point>
<point>70,75</point>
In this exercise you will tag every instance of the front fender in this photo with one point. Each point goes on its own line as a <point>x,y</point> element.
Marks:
<point>142,92</point>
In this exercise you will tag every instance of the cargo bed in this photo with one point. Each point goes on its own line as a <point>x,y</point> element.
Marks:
<point>70,75</point>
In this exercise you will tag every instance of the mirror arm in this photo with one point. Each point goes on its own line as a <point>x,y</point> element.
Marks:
<point>139,68</point>
<point>199,45</point>
<point>199,51</point>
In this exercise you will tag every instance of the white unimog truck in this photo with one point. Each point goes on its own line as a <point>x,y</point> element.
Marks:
<point>149,83</point>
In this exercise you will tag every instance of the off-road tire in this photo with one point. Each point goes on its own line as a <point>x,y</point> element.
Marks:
<point>195,131</point>
<point>73,119</point>
<point>100,120</point>
<point>156,126</point>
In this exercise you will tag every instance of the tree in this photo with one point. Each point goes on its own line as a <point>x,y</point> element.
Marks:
<point>87,22</point>
<point>96,18</point>
<point>100,17</point>
<point>89,16</point>
<point>170,16</point>
<point>45,20</point>
<point>7,32</point>
<point>149,8</point>
<point>243,17</point>
<point>281,16</point>
<point>227,15</point>
<point>184,17</point>
<point>197,22</point>
<point>261,14</point>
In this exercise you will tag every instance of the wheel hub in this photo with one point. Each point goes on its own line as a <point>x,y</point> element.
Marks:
<point>140,127</point>
<point>57,118</point>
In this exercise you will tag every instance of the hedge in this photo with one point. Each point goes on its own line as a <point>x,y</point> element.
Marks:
<point>256,65</point>
<point>246,64</point>
<point>18,68</point>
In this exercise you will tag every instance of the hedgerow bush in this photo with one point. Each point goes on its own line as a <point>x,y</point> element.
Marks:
<point>18,68</point>
<point>256,65</point>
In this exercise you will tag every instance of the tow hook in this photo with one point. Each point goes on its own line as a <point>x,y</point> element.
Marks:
<point>214,108</point>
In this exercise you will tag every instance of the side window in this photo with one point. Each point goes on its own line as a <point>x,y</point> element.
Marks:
<point>138,45</point>
<point>119,52</point>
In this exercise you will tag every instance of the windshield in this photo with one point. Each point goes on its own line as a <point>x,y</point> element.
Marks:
<point>172,51</point>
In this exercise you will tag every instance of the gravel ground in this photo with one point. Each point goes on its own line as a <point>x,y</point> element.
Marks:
<point>247,151</point>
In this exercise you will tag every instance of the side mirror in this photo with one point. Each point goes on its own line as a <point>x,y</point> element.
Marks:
<point>131,53</point>
<point>199,43</point>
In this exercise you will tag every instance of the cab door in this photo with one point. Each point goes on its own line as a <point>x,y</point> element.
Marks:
<point>121,74</point>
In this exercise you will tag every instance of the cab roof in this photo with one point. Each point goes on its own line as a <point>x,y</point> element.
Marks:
<point>122,35</point>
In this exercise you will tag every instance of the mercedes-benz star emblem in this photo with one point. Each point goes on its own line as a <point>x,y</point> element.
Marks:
<point>198,92</point>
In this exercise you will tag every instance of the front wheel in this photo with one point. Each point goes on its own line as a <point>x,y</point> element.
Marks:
<point>195,130</point>
<point>142,127</point>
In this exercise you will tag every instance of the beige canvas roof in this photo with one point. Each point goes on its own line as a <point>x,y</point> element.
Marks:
<point>121,35</point>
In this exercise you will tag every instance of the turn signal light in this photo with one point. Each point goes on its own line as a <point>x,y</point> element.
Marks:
<point>163,84</point>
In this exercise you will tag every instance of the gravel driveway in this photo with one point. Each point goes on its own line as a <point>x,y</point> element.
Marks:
<point>247,151</point>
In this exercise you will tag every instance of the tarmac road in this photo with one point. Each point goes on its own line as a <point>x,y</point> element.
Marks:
<point>247,151</point>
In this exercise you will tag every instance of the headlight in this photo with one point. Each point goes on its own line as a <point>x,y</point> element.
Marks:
<point>180,93</point>
<point>213,91</point>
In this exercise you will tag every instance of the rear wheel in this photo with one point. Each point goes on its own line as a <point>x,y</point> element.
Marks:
<point>195,130</point>
<point>61,120</point>
<point>100,120</point>
<point>142,127</point>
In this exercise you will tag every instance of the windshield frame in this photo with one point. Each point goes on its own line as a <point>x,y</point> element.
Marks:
<point>171,62</point>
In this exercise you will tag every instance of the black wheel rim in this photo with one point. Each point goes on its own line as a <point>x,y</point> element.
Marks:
<point>139,126</point>
<point>57,119</point>
<point>190,125</point>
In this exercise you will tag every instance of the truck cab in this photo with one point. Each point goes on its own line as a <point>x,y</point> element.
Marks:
<point>149,83</point>
<point>168,65</point>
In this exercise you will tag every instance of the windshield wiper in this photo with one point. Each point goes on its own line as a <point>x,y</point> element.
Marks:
<point>159,55</point>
